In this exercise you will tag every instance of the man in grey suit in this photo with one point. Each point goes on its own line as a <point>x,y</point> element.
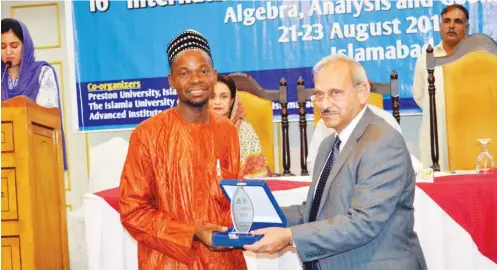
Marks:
<point>359,211</point>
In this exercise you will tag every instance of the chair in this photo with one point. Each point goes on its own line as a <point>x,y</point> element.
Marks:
<point>375,98</point>
<point>392,89</point>
<point>470,86</point>
<point>258,104</point>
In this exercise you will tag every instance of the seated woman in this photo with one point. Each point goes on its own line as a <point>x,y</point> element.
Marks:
<point>225,102</point>
<point>25,76</point>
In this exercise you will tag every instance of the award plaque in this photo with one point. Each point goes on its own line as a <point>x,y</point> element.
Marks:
<point>242,212</point>
<point>252,207</point>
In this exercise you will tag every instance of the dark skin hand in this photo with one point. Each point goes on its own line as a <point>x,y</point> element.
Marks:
<point>204,233</point>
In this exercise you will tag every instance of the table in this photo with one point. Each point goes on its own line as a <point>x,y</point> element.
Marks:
<point>455,218</point>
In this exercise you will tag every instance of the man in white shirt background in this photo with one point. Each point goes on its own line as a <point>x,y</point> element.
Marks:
<point>321,132</point>
<point>454,27</point>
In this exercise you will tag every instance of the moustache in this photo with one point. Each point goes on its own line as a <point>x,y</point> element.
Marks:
<point>451,32</point>
<point>328,111</point>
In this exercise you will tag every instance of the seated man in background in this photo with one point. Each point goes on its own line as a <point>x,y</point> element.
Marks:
<point>321,132</point>
<point>170,200</point>
<point>225,102</point>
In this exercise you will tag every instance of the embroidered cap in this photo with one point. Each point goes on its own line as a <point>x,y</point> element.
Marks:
<point>188,40</point>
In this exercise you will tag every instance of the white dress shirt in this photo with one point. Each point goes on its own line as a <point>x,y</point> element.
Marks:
<point>344,137</point>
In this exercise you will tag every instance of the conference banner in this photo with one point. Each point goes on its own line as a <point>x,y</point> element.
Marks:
<point>122,65</point>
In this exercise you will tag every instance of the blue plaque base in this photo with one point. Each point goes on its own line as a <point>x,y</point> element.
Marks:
<point>224,239</point>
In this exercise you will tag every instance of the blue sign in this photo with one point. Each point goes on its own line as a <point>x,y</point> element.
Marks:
<point>121,46</point>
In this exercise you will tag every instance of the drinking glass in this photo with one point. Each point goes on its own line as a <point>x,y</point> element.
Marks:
<point>484,161</point>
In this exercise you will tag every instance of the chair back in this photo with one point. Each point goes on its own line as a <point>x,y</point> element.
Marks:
<point>259,113</point>
<point>470,88</point>
<point>258,104</point>
<point>471,104</point>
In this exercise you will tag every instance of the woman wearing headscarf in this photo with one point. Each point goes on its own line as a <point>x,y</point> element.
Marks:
<point>21,73</point>
<point>225,102</point>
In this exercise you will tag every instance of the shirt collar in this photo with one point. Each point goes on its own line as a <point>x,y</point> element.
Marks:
<point>347,131</point>
<point>439,50</point>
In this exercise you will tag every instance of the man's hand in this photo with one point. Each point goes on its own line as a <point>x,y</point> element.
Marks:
<point>204,234</point>
<point>274,240</point>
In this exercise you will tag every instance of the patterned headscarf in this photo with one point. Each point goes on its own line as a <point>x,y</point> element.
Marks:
<point>237,113</point>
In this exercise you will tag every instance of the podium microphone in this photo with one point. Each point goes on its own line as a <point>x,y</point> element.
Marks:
<point>8,65</point>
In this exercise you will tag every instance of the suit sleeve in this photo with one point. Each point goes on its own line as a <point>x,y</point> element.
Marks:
<point>380,184</point>
<point>294,214</point>
<point>149,226</point>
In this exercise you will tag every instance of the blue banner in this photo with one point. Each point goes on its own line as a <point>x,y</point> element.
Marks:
<point>121,46</point>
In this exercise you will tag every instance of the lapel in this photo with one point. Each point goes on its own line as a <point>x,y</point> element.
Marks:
<point>349,147</point>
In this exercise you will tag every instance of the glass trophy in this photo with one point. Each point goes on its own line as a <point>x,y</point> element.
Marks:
<point>252,206</point>
<point>242,213</point>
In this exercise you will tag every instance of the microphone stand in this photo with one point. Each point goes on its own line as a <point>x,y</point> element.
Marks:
<point>8,64</point>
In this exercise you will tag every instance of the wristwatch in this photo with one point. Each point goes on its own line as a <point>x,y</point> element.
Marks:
<point>292,243</point>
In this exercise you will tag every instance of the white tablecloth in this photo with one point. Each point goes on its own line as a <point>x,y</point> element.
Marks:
<point>445,244</point>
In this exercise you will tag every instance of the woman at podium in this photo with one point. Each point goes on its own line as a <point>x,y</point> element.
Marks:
<point>21,73</point>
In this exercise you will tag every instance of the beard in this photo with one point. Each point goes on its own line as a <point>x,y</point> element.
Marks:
<point>197,104</point>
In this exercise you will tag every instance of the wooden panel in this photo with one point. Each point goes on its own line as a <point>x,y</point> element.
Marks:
<point>11,255</point>
<point>45,29</point>
<point>11,228</point>
<point>7,137</point>
<point>48,222</point>
<point>35,170</point>
<point>9,195</point>
<point>8,160</point>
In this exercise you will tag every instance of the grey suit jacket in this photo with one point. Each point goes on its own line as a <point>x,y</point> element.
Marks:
<point>366,216</point>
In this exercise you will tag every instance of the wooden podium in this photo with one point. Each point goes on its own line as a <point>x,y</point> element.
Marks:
<point>34,230</point>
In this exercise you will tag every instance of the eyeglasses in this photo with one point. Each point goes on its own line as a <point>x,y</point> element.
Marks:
<point>334,94</point>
